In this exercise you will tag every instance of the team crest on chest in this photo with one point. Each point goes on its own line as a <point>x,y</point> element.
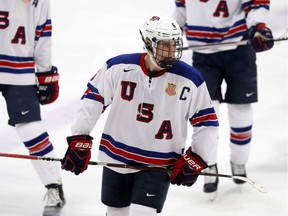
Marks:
<point>171,89</point>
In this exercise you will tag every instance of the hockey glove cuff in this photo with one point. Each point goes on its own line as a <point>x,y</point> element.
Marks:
<point>187,168</point>
<point>78,154</point>
<point>48,86</point>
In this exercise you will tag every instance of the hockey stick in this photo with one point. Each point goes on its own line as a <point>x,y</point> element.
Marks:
<point>116,165</point>
<point>257,186</point>
<point>238,43</point>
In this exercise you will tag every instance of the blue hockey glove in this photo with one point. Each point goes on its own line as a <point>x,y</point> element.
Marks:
<point>260,37</point>
<point>78,154</point>
<point>48,86</point>
<point>187,168</point>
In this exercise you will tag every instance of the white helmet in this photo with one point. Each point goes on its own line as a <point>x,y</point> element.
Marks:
<point>167,30</point>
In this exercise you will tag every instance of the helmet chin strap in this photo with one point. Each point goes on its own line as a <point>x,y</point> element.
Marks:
<point>152,60</point>
<point>155,63</point>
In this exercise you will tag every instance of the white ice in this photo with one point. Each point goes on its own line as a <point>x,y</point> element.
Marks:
<point>86,33</point>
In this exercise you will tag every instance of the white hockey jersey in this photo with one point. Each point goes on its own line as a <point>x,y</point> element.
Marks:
<point>25,40</point>
<point>148,116</point>
<point>218,21</point>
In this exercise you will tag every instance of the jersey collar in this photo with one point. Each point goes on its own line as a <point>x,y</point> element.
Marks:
<point>144,69</point>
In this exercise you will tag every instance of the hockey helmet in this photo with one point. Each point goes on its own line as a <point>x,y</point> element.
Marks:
<point>163,31</point>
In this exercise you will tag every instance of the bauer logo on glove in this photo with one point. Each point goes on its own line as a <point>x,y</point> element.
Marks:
<point>51,79</point>
<point>187,168</point>
<point>192,164</point>
<point>78,153</point>
<point>83,145</point>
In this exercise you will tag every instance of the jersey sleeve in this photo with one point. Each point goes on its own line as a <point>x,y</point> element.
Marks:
<point>179,13</point>
<point>94,101</point>
<point>257,11</point>
<point>43,33</point>
<point>205,124</point>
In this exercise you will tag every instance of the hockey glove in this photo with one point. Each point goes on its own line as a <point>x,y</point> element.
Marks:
<point>48,86</point>
<point>187,168</point>
<point>78,153</point>
<point>260,37</point>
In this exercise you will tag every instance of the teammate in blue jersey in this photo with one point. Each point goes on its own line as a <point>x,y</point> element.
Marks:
<point>152,97</point>
<point>216,21</point>
<point>27,78</point>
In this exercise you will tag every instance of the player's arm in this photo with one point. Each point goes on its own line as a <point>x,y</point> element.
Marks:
<point>205,124</point>
<point>46,74</point>
<point>92,105</point>
<point>259,33</point>
<point>43,36</point>
<point>78,153</point>
<point>179,13</point>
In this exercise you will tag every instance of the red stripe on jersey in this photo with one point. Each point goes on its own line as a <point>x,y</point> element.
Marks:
<point>258,2</point>
<point>210,117</point>
<point>216,35</point>
<point>135,157</point>
<point>48,28</point>
<point>16,64</point>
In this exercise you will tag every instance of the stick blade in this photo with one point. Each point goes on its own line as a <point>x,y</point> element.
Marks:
<point>257,186</point>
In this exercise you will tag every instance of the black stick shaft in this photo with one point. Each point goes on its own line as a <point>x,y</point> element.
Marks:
<point>238,43</point>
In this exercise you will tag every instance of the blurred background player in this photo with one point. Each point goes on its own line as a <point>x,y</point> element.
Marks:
<point>218,21</point>
<point>25,32</point>
<point>152,96</point>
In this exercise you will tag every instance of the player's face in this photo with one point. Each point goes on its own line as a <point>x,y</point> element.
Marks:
<point>165,50</point>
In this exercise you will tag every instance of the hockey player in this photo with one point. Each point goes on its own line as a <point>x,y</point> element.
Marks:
<point>25,32</point>
<point>217,21</point>
<point>152,96</point>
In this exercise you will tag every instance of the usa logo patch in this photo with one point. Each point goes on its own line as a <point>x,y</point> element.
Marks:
<point>171,89</point>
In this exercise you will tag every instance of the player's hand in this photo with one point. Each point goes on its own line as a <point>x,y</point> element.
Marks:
<point>48,86</point>
<point>261,37</point>
<point>78,153</point>
<point>187,168</point>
